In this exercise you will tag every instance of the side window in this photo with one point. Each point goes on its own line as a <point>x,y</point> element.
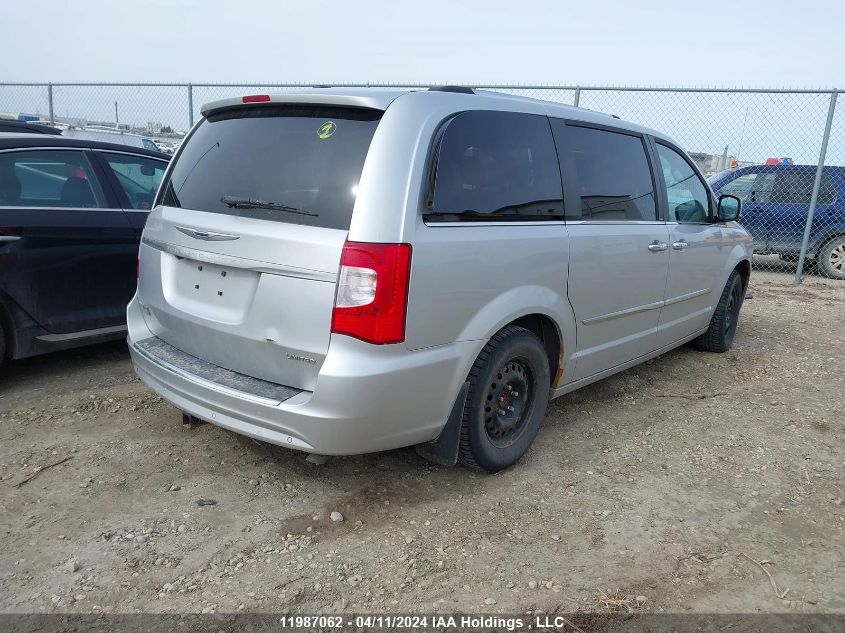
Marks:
<point>797,188</point>
<point>138,176</point>
<point>741,187</point>
<point>48,178</point>
<point>611,174</point>
<point>495,166</point>
<point>686,192</point>
<point>755,187</point>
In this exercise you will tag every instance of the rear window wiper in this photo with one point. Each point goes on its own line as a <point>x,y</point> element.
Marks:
<point>233,202</point>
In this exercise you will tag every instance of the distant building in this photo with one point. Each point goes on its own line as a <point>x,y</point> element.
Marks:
<point>154,127</point>
<point>712,163</point>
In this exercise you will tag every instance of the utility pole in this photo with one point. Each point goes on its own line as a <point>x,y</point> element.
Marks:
<point>116,120</point>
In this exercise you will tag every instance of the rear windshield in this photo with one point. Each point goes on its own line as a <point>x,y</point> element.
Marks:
<point>285,163</point>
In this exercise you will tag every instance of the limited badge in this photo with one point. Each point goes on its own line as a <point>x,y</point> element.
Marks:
<point>326,130</point>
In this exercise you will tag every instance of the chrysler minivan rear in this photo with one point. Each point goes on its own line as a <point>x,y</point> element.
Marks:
<point>255,311</point>
<point>347,272</point>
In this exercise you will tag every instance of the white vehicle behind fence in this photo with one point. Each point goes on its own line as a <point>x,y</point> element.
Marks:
<point>165,147</point>
<point>109,135</point>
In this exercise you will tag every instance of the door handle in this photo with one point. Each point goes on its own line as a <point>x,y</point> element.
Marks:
<point>657,246</point>
<point>9,238</point>
<point>680,245</point>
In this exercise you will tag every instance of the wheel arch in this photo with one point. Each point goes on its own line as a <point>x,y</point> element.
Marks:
<point>536,308</point>
<point>744,269</point>
<point>820,241</point>
<point>545,328</point>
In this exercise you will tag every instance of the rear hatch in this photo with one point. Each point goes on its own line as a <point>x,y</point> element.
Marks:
<point>240,257</point>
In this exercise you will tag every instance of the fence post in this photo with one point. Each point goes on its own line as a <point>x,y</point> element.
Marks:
<point>50,103</point>
<point>799,271</point>
<point>190,105</point>
<point>577,99</point>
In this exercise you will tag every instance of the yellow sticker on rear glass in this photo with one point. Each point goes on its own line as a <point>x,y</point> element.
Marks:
<point>326,130</point>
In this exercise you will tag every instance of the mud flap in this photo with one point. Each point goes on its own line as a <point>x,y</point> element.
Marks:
<point>444,448</point>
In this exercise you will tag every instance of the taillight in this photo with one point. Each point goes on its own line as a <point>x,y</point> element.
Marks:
<point>11,231</point>
<point>372,292</point>
<point>256,98</point>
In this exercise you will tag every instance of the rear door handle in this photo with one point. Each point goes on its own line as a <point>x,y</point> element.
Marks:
<point>657,246</point>
<point>680,245</point>
<point>9,238</point>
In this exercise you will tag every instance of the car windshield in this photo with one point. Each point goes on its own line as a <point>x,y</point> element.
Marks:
<point>264,162</point>
<point>717,176</point>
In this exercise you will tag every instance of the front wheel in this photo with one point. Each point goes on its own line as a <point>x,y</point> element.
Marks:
<point>719,336</point>
<point>830,259</point>
<point>506,401</point>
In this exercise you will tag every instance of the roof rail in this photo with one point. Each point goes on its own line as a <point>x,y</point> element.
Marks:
<point>461,89</point>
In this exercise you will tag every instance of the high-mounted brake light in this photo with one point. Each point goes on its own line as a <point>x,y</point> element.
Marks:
<point>372,292</point>
<point>256,98</point>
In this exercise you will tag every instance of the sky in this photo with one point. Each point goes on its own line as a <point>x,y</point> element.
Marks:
<point>775,43</point>
<point>707,44</point>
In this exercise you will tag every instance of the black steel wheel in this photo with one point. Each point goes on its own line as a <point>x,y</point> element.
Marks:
<point>719,336</point>
<point>506,402</point>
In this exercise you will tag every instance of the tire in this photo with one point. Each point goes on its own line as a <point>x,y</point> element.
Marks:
<point>830,258</point>
<point>506,401</point>
<point>719,336</point>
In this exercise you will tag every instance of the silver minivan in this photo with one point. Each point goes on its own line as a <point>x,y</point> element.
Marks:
<point>344,272</point>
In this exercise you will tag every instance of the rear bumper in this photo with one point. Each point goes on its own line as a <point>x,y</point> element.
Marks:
<point>367,398</point>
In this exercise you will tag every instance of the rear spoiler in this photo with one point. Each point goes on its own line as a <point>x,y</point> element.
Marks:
<point>376,100</point>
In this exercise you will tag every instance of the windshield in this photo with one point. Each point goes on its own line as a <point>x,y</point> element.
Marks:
<point>287,157</point>
<point>717,176</point>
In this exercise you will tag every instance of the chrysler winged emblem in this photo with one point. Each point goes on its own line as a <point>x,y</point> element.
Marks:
<point>208,236</point>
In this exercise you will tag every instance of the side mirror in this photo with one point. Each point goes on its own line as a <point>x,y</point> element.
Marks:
<point>147,170</point>
<point>729,208</point>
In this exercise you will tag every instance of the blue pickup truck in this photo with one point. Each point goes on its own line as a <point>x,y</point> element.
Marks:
<point>775,202</point>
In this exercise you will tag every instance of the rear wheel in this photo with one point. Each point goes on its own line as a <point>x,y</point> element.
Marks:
<point>830,258</point>
<point>719,337</point>
<point>506,401</point>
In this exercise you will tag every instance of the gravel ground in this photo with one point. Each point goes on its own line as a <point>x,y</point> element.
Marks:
<point>645,492</point>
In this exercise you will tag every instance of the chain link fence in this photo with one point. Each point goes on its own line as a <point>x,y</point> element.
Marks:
<point>781,151</point>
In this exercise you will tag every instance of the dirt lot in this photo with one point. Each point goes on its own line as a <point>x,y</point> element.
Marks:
<point>646,490</point>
